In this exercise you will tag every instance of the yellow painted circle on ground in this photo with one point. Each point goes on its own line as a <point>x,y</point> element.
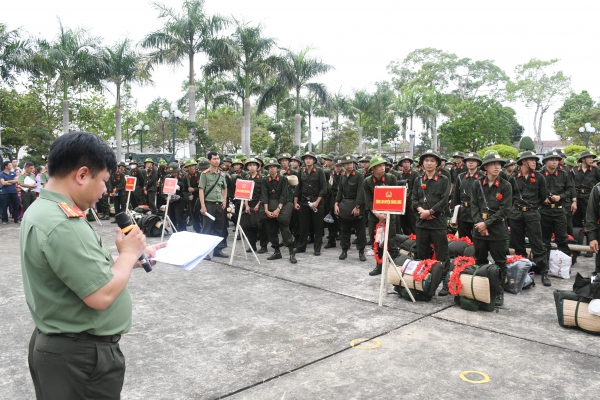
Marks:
<point>463,376</point>
<point>365,347</point>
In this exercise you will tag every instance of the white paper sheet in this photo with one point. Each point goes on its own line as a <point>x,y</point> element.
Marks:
<point>186,249</point>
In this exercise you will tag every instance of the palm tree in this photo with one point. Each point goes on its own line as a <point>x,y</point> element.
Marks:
<point>124,66</point>
<point>295,70</point>
<point>409,105</point>
<point>72,59</point>
<point>380,103</point>
<point>434,104</point>
<point>14,54</point>
<point>183,36</point>
<point>358,108</point>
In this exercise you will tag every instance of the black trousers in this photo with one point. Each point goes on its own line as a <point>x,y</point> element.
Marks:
<point>176,209</point>
<point>66,368</point>
<point>195,217</point>
<point>497,249</point>
<point>120,203</point>
<point>333,228</point>
<point>533,228</point>
<point>27,198</point>
<point>408,221</point>
<point>12,199</point>
<point>569,217</point>
<point>346,229</point>
<point>437,237</point>
<point>105,205</point>
<point>308,216</point>
<point>579,216</point>
<point>554,222</point>
<point>280,224</point>
<point>216,227</point>
<point>152,201</point>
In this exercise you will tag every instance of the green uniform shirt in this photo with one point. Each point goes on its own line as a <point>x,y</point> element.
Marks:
<point>462,194</point>
<point>527,191</point>
<point>592,216</point>
<point>369,187</point>
<point>63,261</point>
<point>494,207</point>
<point>151,179</point>
<point>21,180</point>
<point>44,178</point>
<point>274,189</point>
<point>557,183</point>
<point>352,187</point>
<point>207,180</point>
<point>311,185</point>
<point>432,194</point>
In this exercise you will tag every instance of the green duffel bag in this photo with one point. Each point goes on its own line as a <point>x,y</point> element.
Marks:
<point>492,273</point>
<point>572,311</point>
<point>419,296</point>
<point>474,305</point>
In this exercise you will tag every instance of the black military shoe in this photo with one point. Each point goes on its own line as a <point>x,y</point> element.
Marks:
<point>444,291</point>
<point>546,280</point>
<point>293,259</point>
<point>589,255</point>
<point>219,253</point>
<point>262,250</point>
<point>361,256</point>
<point>376,271</point>
<point>499,299</point>
<point>317,253</point>
<point>310,240</point>
<point>249,250</point>
<point>275,256</point>
<point>329,245</point>
<point>343,255</point>
<point>207,258</point>
<point>301,250</point>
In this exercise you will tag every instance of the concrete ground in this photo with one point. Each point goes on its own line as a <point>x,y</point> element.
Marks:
<point>283,331</point>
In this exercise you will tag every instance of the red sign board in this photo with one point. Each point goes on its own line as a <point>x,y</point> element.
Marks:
<point>130,183</point>
<point>390,199</point>
<point>170,186</point>
<point>244,189</point>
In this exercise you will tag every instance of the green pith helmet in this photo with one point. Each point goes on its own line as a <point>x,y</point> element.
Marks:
<point>571,161</point>
<point>552,154</point>
<point>489,152</point>
<point>296,158</point>
<point>430,153</point>
<point>347,158</point>
<point>450,162</point>
<point>284,155</point>
<point>273,162</point>
<point>173,167</point>
<point>162,162</point>
<point>252,161</point>
<point>509,162</point>
<point>200,159</point>
<point>190,162</point>
<point>227,159</point>
<point>309,154</point>
<point>329,157</point>
<point>586,153</point>
<point>377,160</point>
<point>148,160</point>
<point>490,158</point>
<point>203,165</point>
<point>404,158</point>
<point>525,155</point>
<point>122,164</point>
<point>237,161</point>
<point>241,156</point>
<point>458,154</point>
<point>367,158</point>
<point>472,156</point>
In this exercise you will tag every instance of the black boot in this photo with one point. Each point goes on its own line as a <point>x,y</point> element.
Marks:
<point>546,280</point>
<point>343,255</point>
<point>262,250</point>
<point>376,270</point>
<point>330,245</point>
<point>275,256</point>
<point>499,299</point>
<point>361,255</point>
<point>292,255</point>
<point>219,253</point>
<point>310,240</point>
<point>444,291</point>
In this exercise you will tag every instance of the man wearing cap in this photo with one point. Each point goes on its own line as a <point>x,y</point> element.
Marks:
<point>162,174</point>
<point>277,209</point>
<point>284,161</point>
<point>509,167</point>
<point>491,202</point>
<point>349,206</point>
<point>459,166</point>
<point>140,184</point>
<point>560,188</point>
<point>191,181</point>
<point>430,200</point>
<point>251,208</point>
<point>213,193</point>
<point>308,200</point>
<point>585,177</point>
<point>176,202</point>
<point>462,193</point>
<point>295,164</point>
<point>151,183</point>
<point>117,185</point>
<point>529,192</point>
<point>332,179</point>
<point>407,178</point>
<point>570,205</point>
<point>378,177</point>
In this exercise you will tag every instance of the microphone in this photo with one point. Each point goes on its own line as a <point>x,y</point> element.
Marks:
<point>124,222</point>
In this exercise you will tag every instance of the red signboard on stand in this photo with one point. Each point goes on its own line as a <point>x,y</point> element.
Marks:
<point>170,186</point>
<point>244,190</point>
<point>130,183</point>
<point>389,199</point>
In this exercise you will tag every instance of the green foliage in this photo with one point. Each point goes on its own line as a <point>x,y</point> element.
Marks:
<point>504,151</point>
<point>576,111</point>
<point>38,141</point>
<point>575,149</point>
<point>342,141</point>
<point>225,127</point>
<point>526,143</point>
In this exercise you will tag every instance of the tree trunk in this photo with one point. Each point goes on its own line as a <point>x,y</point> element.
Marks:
<point>192,106</point>
<point>206,126</point>
<point>65,109</point>
<point>537,128</point>
<point>434,138</point>
<point>309,134</point>
<point>379,139</point>
<point>118,123</point>
<point>247,149</point>
<point>297,123</point>
<point>360,140</point>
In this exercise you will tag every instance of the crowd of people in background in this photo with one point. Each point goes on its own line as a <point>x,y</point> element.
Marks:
<point>19,187</point>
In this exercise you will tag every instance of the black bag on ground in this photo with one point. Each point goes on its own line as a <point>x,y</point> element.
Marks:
<point>585,288</point>
<point>151,225</point>
<point>516,273</point>
<point>492,273</point>
<point>401,239</point>
<point>469,251</point>
<point>456,249</point>
<point>409,245</point>
<point>572,310</point>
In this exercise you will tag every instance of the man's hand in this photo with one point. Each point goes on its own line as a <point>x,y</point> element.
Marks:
<point>573,207</point>
<point>296,206</point>
<point>276,213</point>
<point>256,207</point>
<point>594,246</point>
<point>336,209</point>
<point>151,251</point>
<point>425,214</point>
<point>190,189</point>
<point>481,227</point>
<point>555,198</point>
<point>314,205</point>
<point>355,211</point>
<point>134,243</point>
<point>203,210</point>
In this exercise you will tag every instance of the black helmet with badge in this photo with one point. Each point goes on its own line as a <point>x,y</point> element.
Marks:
<point>272,162</point>
<point>459,154</point>
<point>552,154</point>
<point>525,155</point>
<point>404,158</point>
<point>472,156</point>
<point>347,158</point>
<point>173,167</point>
<point>283,156</point>
<point>310,154</point>
<point>430,153</point>
<point>492,158</point>
<point>586,153</point>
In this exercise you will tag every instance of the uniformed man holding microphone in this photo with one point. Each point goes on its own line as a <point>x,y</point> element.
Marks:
<point>213,193</point>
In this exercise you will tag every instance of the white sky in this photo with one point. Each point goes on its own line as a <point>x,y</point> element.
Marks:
<point>360,38</point>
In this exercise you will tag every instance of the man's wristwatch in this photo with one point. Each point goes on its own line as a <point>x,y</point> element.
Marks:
<point>280,207</point>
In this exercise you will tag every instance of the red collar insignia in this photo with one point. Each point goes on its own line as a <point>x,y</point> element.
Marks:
<point>353,173</point>
<point>435,178</point>
<point>497,183</point>
<point>424,177</point>
<point>519,175</point>
<point>484,181</point>
<point>71,211</point>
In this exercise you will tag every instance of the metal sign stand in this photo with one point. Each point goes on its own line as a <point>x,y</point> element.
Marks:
<point>239,229</point>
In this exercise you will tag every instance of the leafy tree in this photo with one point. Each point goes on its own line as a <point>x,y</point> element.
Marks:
<point>381,113</point>
<point>357,109</point>
<point>20,112</point>
<point>575,150</point>
<point>576,111</point>
<point>343,140</point>
<point>223,122</point>
<point>539,84</point>
<point>38,140</point>
<point>526,143</point>
<point>15,54</point>
<point>503,150</point>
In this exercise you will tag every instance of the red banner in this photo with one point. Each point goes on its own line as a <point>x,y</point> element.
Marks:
<point>389,199</point>
<point>244,189</point>
<point>170,186</point>
<point>130,183</point>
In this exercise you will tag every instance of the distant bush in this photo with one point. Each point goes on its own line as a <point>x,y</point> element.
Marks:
<point>526,143</point>
<point>575,149</point>
<point>502,149</point>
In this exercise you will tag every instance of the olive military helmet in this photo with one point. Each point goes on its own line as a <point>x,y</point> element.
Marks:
<point>236,161</point>
<point>272,162</point>
<point>585,154</point>
<point>510,162</point>
<point>329,157</point>
<point>162,162</point>
<point>525,155</point>
<point>571,161</point>
<point>347,158</point>
<point>296,158</point>
<point>203,165</point>
<point>122,164</point>
<point>404,158</point>
<point>148,160</point>
<point>309,154</point>
<point>430,153</point>
<point>490,158</point>
<point>252,161</point>
<point>366,158</point>
<point>190,162</point>
<point>173,167</point>
<point>284,155</point>
<point>377,160</point>
<point>552,154</point>
<point>459,154</point>
<point>472,156</point>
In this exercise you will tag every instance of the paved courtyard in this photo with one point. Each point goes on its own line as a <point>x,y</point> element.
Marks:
<point>283,331</point>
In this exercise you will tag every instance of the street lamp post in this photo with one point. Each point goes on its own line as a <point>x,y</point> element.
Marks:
<point>411,135</point>
<point>175,115</point>
<point>323,129</point>
<point>587,129</point>
<point>395,142</point>
<point>140,128</point>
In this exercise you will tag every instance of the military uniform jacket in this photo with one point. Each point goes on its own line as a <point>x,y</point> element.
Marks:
<point>117,183</point>
<point>274,189</point>
<point>151,180</point>
<point>351,187</point>
<point>191,181</point>
<point>456,170</point>
<point>408,179</point>
<point>557,183</point>
<point>462,194</point>
<point>288,172</point>
<point>592,216</point>
<point>491,204</point>
<point>584,181</point>
<point>369,186</point>
<point>256,194</point>
<point>431,194</point>
<point>207,179</point>
<point>528,192</point>
<point>311,185</point>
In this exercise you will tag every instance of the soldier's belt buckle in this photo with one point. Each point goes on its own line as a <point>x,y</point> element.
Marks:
<point>552,205</point>
<point>466,204</point>
<point>484,216</point>
<point>523,208</point>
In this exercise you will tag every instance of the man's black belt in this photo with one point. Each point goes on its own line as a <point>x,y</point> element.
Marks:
<point>584,191</point>
<point>89,336</point>
<point>466,204</point>
<point>553,205</point>
<point>349,198</point>
<point>525,208</point>
<point>213,202</point>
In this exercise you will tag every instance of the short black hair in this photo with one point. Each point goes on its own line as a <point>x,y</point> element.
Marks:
<point>5,164</point>
<point>210,155</point>
<point>28,164</point>
<point>74,150</point>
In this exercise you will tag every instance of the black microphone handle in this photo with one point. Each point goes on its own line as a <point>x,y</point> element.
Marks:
<point>145,262</point>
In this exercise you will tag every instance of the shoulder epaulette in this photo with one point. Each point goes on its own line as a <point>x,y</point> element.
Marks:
<point>71,211</point>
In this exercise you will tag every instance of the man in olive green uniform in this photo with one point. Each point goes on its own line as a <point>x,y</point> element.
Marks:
<point>117,185</point>
<point>277,207</point>
<point>44,177</point>
<point>592,223</point>
<point>191,180</point>
<point>407,178</point>
<point>378,177</point>
<point>559,188</point>
<point>459,166</point>
<point>529,192</point>
<point>462,193</point>
<point>491,201</point>
<point>309,201</point>
<point>349,207</point>
<point>27,194</point>
<point>77,294</point>
<point>430,200</point>
<point>213,193</point>
<point>151,183</point>
<point>585,177</point>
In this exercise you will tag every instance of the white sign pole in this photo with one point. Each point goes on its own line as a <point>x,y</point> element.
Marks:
<point>162,235</point>
<point>237,225</point>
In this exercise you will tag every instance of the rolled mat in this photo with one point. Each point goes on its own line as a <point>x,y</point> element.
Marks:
<point>475,287</point>
<point>576,314</point>
<point>394,279</point>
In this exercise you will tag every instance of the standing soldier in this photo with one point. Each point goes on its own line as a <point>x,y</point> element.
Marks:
<point>570,205</point>
<point>213,193</point>
<point>176,201</point>
<point>284,161</point>
<point>459,166</point>
<point>491,202</point>
<point>430,200</point>
<point>378,178</point>
<point>407,178</point>
<point>559,188</point>
<point>592,223</point>
<point>27,193</point>
<point>308,200</point>
<point>462,194</point>
<point>251,208</point>
<point>585,177</point>
<point>191,180</point>
<point>349,207</point>
<point>140,187</point>
<point>332,183</point>
<point>134,198</point>
<point>529,192</point>
<point>117,184</point>
<point>277,208</point>
<point>162,174</point>
<point>150,186</point>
